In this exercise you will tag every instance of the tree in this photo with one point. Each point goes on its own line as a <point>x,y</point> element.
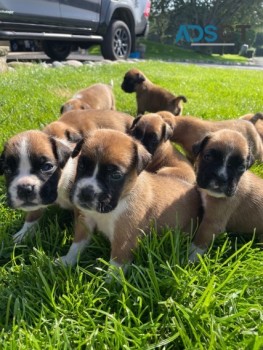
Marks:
<point>168,15</point>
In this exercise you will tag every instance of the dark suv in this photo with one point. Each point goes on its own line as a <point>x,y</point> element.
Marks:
<point>60,26</point>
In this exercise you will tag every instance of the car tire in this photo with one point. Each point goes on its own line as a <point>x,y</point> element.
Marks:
<point>56,50</point>
<point>117,42</point>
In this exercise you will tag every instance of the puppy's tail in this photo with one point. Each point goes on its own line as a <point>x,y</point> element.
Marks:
<point>256,117</point>
<point>181,98</point>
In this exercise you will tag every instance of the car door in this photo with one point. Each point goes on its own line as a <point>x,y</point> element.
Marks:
<point>83,15</point>
<point>28,12</point>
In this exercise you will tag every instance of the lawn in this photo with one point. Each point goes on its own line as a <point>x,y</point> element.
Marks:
<point>155,51</point>
<point>163,302</point>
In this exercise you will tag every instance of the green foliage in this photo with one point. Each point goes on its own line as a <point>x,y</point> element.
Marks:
<point>259,39</point>
<point>167,16</point>
<point>162,302</point>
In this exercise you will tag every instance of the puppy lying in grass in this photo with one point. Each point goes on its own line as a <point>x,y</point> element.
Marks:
<point>96,96</point>
<point>188,130</point>
<point>152,131</point>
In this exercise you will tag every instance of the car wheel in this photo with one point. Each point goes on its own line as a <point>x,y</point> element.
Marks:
<point>117,42</point>
<point>57,50</point>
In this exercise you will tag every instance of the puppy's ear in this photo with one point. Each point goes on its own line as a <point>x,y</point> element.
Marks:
<point>61,152</point>
<point>73,136</point>
<point>250,160</point>
<point>139,78</point>
<point>167,132</point>
<point>77,148</point>
<point>199,146</point>
<point>135,121</point>
<point>85,106</point>
<point>142,157</point>
<point>62,109</point>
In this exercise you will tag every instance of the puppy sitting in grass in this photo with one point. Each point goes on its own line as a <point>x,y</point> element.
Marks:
<point>231,195</point>
<point>117,197</point>
<point>152,131</point>
<point>151,97</point>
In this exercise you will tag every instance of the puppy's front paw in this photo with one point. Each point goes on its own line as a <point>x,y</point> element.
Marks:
<point>194,252</point>
<point>27,229</point>
<point>115,272</point>
<point>71,258</point>
<point>65,260</point>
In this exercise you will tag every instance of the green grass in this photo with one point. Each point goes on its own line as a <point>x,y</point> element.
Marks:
<point>162,302</point>
<point>157,51</point>
<point>175,53</point>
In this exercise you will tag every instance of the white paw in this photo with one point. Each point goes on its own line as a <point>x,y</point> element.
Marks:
<point>65,261</point>
<point>115,272</point>
<point>71,258</point>
<point>194,252</point>
<point>26,230</point>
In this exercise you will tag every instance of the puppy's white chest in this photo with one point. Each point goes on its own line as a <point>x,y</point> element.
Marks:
<point>204,198</point>
<point>65,184</point>
<point>106,223</point>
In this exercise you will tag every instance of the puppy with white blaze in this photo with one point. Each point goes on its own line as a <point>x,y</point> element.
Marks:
<point>231,194</point>
<point>32,163</point>
<point>117,197</point>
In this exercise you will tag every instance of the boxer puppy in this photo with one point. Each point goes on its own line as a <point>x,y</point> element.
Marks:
<point>116,196</point>
<point>188,130</point>
<point>257,120</point>
<point>231,195</point>
<point>151,97</point>
<point>72,125</point>
<point>33,163</point>
<point>154,134</point>
<point>97,96</point>
<point>31,188</point>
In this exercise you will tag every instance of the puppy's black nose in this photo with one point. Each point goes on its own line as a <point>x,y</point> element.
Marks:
<point>86,194</point>
<point>26,191</point>
<point>222,178</point>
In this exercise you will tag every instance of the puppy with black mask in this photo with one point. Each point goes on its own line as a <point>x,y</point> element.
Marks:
<point>154,133</point>
<point>231,194</point>
<point>188,130</point>
<point>33,164</point>
<point>151,97</point>
<point>117,197</point>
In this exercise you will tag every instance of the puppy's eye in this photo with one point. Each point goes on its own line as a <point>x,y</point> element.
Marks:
<point>241,168</point>
<point>7,170</point>
<point>117,175</point>
<point>138,134</point>
<point>207,157</point>
<point>46,167</point>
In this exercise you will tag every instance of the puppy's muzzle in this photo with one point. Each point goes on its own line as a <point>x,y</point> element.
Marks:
<point>86,197</point>
<point>221,185</point>
<point>127,87</point>
<point>26,192</point>
<point>89,199</point>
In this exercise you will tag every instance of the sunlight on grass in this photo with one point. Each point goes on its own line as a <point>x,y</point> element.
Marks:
<point>163,302</point>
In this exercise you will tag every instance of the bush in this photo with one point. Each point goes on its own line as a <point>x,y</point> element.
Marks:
<point>259,39</point>
<point>250,53</point>
<point>259,51</point>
